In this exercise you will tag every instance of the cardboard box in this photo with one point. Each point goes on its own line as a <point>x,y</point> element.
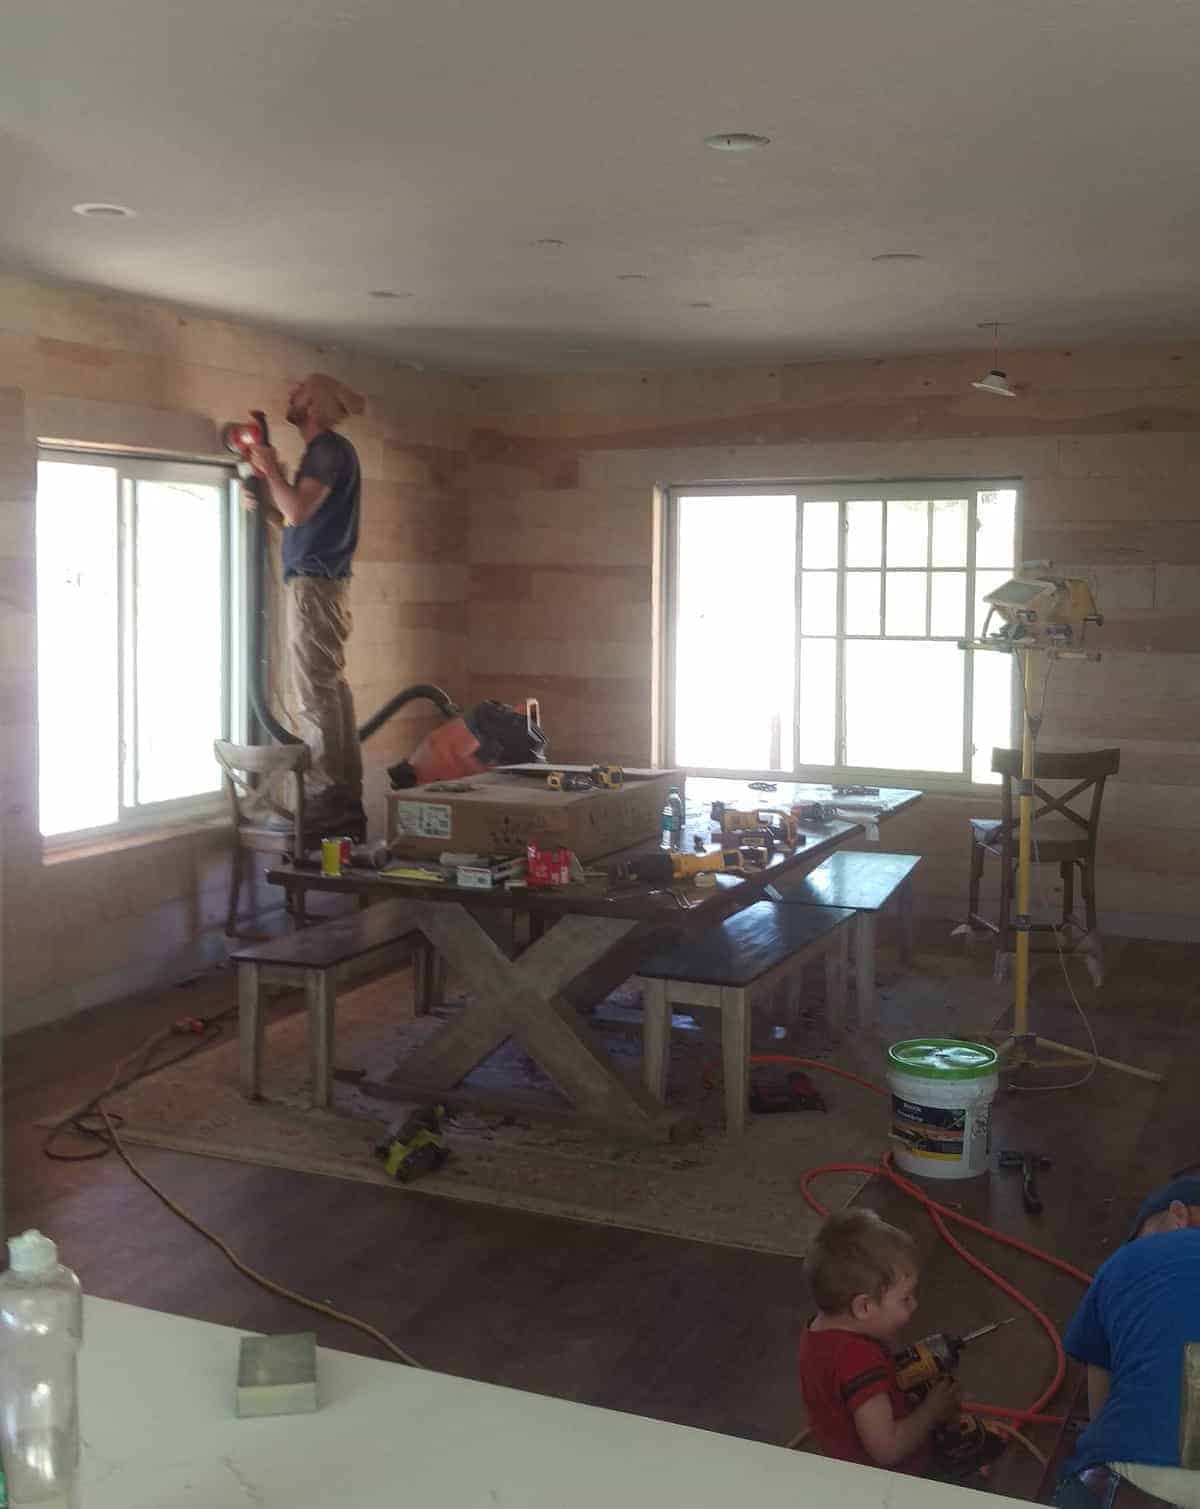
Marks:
<point>500,813</point>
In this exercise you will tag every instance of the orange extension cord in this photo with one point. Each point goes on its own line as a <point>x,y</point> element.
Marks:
<point>939,1215</point>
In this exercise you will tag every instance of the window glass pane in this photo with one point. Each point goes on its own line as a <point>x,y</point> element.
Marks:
<point>904,610</point>
<point>862,602</point>
<point>864,532</point>
<point>995,536</point>
<point>948,604</point>
<point>949,532</point>
<point>820,542</point>
<point>904,705</point>
<point>77,646</point>
<point>907,533</point>
<point>178,646</point>
<point>818,602</point>
<point>991,708</point>
<point>818,688</point>
<point>710,634</point>
<point>987,581</point>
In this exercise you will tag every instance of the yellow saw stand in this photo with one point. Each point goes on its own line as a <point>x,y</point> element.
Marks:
<point>1041,615</point>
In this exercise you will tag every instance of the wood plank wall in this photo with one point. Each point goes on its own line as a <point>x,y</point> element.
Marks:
<point>1105,442</point>
<point>108,370</point>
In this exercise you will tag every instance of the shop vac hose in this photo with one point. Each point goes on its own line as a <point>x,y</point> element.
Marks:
<point>255,612</point>
<point>423,689</point>
<point>256,567</point>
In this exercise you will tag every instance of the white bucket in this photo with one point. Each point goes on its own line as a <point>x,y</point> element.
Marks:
<point>942,1093</point>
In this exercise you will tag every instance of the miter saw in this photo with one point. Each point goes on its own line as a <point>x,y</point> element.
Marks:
<point>1038,613</point>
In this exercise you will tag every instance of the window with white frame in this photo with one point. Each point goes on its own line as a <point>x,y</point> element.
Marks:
<point>813,630</point>
<point>134,630</point>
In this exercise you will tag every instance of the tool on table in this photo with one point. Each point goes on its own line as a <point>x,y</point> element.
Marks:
<point>610,777</point>
<point>675,864</point>
<point>965,1445</point>
<point>1029,1164</point>
<point>569,780</point>
<point>414,1146</point>
<point>856,791</point>
<point>778,821</point>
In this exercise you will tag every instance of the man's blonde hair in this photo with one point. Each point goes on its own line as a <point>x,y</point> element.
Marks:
<point>331,400</point>
<point>854,1253</point>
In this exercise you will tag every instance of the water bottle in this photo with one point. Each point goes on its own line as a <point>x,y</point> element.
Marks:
<point>672,820</point>
<point>41,1327</point>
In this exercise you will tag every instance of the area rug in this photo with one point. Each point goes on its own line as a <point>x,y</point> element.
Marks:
<point>740,1192</point>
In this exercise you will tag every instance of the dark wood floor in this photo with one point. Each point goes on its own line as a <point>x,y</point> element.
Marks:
<point>696,1334</point>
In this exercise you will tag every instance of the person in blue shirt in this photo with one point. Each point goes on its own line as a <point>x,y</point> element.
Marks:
<point>320,514</point>
<point>1130,1331</point>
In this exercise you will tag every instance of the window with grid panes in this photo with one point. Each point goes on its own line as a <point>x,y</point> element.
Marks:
<point>813,630</point>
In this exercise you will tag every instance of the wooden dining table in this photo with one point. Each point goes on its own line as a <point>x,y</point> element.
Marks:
<point>588,936</point>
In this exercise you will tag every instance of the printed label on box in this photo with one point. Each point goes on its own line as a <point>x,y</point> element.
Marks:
<point>423,819</point>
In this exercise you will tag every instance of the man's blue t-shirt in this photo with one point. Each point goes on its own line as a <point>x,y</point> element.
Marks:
<point>1141,1310</point>
<point>324,545</point>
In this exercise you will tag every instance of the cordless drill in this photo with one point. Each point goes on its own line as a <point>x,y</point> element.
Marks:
<point>669,866</point>
<point>964,1445</point>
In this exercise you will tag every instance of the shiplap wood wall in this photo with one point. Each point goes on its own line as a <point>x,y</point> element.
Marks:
<point>108,370</point>
<point>1105,442</point>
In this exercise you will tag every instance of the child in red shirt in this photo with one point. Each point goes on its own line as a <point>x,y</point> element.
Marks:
<point>863,1276</point>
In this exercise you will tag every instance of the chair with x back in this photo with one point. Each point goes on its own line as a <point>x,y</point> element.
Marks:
<point>1066,826</point>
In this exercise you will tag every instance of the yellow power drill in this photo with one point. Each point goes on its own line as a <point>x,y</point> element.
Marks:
<point>674,865</point>
<point>965,1445</point>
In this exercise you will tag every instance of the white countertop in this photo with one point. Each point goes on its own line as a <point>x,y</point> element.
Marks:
<point>160,1433</point>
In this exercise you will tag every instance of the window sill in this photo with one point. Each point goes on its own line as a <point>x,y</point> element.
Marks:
<point>139,838</point>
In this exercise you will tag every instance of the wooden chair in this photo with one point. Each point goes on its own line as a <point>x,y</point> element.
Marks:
<point>260,823</point>
<point>727,967</point>
<point>1069,841</point>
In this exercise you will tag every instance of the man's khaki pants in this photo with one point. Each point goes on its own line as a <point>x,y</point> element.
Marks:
<point>319,625</point>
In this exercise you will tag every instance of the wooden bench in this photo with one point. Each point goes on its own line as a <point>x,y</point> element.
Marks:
<point>728,967</point>
<point>865,882</point>
<point>318,960</point>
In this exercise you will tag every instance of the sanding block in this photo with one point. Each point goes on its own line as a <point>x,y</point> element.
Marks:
<point>277,1375</point>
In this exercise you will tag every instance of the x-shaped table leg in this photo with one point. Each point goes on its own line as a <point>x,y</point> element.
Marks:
<point>529,999</point>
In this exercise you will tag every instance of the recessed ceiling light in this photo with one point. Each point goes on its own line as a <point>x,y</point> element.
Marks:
<point>549,241</point>
<point>898,257</point>
<point>96,210</point>
<point>736,141</point>
<point>632,277</point>
<point>389,293</point>
<point>699,304</point>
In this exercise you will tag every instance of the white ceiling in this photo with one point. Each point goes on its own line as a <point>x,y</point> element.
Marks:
<point>287,156</point>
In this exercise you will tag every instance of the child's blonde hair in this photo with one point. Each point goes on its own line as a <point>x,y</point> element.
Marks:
<point>854,1253</point>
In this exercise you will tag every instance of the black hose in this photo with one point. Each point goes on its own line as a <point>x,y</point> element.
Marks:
<point>255,573</point>
<point>424,689</point>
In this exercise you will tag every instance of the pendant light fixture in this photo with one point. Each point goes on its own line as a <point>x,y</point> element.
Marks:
<point>995,380</point>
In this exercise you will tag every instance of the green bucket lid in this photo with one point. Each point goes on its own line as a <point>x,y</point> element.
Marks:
<point>942,1058</point>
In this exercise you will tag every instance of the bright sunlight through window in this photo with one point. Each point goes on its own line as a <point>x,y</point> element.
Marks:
<point>815,630</point>
<point>133,637</point>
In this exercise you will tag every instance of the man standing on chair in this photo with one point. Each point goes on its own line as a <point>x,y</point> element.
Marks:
<point>320,513</point>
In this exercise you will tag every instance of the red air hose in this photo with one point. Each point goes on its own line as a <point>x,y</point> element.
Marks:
<point>939,1215</point>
